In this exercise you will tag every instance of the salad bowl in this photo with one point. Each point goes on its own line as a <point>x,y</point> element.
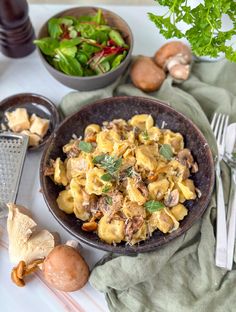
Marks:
<point>93,82</point>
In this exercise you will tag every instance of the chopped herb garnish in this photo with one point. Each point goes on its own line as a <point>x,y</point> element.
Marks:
<point>98,159</point>
<point>109,200</point>
<point>106,177</point>
<point>108,162</point>
<point>166,151</point>
<point>145,135</point>
<point>106,189</point>
<point>129,172</point>
<point>153,205</point>
<point>85,147</point>
<point>234,155</point>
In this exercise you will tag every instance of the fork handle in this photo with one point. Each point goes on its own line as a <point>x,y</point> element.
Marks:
<point>221,231</point>
<point>232,221</point>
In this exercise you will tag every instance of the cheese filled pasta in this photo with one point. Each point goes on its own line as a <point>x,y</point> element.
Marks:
<point>126,179</point>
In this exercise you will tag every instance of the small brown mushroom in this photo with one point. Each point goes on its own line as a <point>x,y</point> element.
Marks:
<point>65,269</point>
<point>146,75</point>
<point>172,198</point>
<point>174,57</point>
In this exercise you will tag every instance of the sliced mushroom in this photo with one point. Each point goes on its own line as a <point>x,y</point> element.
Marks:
<point>199,193</point>
<point>194,168</point>
<point>114,207</point>
<point>132,226</point>
<point>172,198</point>
<point>142,188</point>
<point>185,157</point>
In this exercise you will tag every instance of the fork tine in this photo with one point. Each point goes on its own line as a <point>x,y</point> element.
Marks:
<point>219,134</point>
<point>224,130</point>
<point>213,121</point>
<point>216,128</point>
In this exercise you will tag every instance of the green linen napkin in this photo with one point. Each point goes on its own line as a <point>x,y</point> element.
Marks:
<point>182,275</point>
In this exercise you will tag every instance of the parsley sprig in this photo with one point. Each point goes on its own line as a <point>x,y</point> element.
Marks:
<point>204,24</point>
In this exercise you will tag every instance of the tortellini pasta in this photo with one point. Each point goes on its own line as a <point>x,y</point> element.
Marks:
<point>128,178</point>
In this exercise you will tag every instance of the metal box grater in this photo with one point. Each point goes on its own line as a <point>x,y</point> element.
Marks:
<point>13,148</point>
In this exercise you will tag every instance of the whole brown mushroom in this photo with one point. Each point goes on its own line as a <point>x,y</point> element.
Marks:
<point>146,75</point>
<point>175,57</point>
<point>65,269</point>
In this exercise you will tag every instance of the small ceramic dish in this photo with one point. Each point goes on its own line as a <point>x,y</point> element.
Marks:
<point>34,104</point>
<point>125,107</point>
<point>89,83</point>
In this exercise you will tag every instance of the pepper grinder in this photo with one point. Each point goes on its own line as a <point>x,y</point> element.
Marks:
<point>16,31</point>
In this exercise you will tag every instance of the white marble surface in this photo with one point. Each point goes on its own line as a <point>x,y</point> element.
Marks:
<point>29,75</point>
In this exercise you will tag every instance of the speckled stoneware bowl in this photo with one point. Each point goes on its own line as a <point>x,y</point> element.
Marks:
<point>34,104</point>
<point>98,81</point>
<point>126,107</point>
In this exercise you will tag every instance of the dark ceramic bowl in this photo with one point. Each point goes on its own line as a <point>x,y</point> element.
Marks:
<point>34,104</point>
<point>92,82</point>
<point>126,107</point>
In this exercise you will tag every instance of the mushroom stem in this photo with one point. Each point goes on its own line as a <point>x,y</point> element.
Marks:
<point>74,244</point>
<point>180,71</point>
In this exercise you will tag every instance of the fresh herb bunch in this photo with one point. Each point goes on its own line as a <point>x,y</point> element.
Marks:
<point>83,46</point>
<point>204,23</point>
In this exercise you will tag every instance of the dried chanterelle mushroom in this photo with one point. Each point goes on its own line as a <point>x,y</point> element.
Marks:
<point>22,269</point>
<point>27,242</point>
<point>175,57</point>
<point>65,269</point>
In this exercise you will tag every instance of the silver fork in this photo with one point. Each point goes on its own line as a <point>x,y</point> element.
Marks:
<point>219,126</point>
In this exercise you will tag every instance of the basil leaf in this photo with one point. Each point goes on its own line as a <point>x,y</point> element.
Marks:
<point>166,151</point>
<point>106,177</point>
<point>153,205</point>
<point>109,200</point>
<point>54,28</point>
<point>47,45</point>
<point>98,159</point>
<point>68,64</point>
<point>85,147</point>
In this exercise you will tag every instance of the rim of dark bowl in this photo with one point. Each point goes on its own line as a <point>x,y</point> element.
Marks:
<point>48,104</point>
<point>124,249</point>
<point>95,76</point>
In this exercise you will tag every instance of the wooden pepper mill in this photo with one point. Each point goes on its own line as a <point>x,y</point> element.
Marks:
<point>16,31</point>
